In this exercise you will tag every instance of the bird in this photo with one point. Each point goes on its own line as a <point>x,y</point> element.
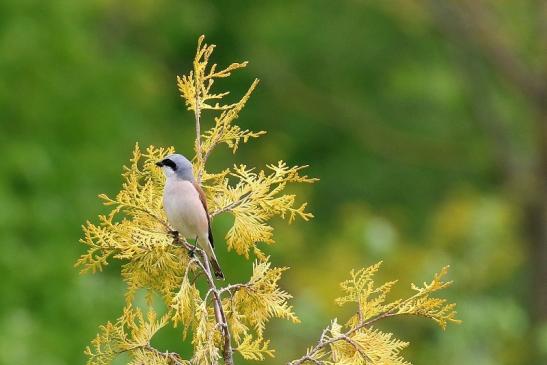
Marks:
<point>185,205</point>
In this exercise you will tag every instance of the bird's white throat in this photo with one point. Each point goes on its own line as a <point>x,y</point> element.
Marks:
<point>168,171</point>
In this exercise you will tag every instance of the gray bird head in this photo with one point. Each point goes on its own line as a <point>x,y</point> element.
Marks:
<point>178,166</point>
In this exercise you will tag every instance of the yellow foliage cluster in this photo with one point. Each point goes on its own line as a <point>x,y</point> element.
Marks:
<point>136,231</point>
<point>131,333</point>
<point>251,305</point>
<point>221,320</point>
<point>195,89</point>
<point>357,341</point>
<point>254,200</point>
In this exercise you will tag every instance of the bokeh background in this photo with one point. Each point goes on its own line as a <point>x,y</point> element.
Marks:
<point>426,122</point>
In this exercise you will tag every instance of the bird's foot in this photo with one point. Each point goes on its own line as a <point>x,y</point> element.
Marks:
<point>192,252</point>
<point>221,327</point>
<point>174,234</point>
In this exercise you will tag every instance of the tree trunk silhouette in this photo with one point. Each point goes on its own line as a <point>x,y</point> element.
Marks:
<point>474,28</point>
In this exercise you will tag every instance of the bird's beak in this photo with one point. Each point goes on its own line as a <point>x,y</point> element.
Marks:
<point>159,164</point>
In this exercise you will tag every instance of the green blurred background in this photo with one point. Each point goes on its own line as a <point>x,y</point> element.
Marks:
<point>425,121</point>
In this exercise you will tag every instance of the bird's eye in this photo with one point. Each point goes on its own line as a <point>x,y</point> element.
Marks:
<point>170,163</point>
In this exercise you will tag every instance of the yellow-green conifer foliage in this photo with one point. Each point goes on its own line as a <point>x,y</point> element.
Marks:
<point>357,341</point>
<point>221,320</point>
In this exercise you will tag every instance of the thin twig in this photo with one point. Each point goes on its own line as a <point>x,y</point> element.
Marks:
<point>309,358</point>
<point>342,337</point>
<point>122,205</point>
<point>208,152</point>
<point>234,287</point>
<point>358,347</point>
<point>219,312</point>
<point>220,316</point>
<point>243,199</point>
<point>197,115</point>
<point>471,20</point>
<point>173,356</point>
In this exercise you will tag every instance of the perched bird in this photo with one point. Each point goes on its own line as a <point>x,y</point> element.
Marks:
<point>186,207</point>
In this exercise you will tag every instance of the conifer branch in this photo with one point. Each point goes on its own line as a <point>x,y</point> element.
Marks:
<point>197,116</point>
<point>242,200</point>
<point>219,310</point>
<point>372,308</point>
<point>220,315</point>
<point>173,357</point>
<point>158,260</point>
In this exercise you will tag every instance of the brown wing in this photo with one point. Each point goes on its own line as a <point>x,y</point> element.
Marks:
<point>204,203</point>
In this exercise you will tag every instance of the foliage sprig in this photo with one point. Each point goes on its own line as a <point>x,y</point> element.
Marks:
<point>136,231</point>
<point>222,320</point>
<point>357,341</point>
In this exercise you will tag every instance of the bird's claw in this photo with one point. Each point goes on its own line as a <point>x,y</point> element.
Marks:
<point>192,252</point>
<point>220,326</point>
<point>174,234</point>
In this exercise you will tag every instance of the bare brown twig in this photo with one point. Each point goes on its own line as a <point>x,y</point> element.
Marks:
<point>473,21</point>
<point>324,342</point>
<point>232,205</point>
<point>197,114</point>
<point>171,356</point>
<point>227,351</point>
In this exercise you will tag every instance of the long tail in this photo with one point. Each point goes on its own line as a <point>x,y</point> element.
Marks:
<point>207,247</point>
<point>216,268</point>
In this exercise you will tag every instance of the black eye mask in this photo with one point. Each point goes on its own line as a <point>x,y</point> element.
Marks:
<point>171,164</point>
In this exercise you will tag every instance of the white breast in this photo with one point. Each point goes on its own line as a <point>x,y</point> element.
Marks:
<point>184,209</point>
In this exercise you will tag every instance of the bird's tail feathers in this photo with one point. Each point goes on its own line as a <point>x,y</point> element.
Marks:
<point>216,268</point>
<point>212,258</point>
